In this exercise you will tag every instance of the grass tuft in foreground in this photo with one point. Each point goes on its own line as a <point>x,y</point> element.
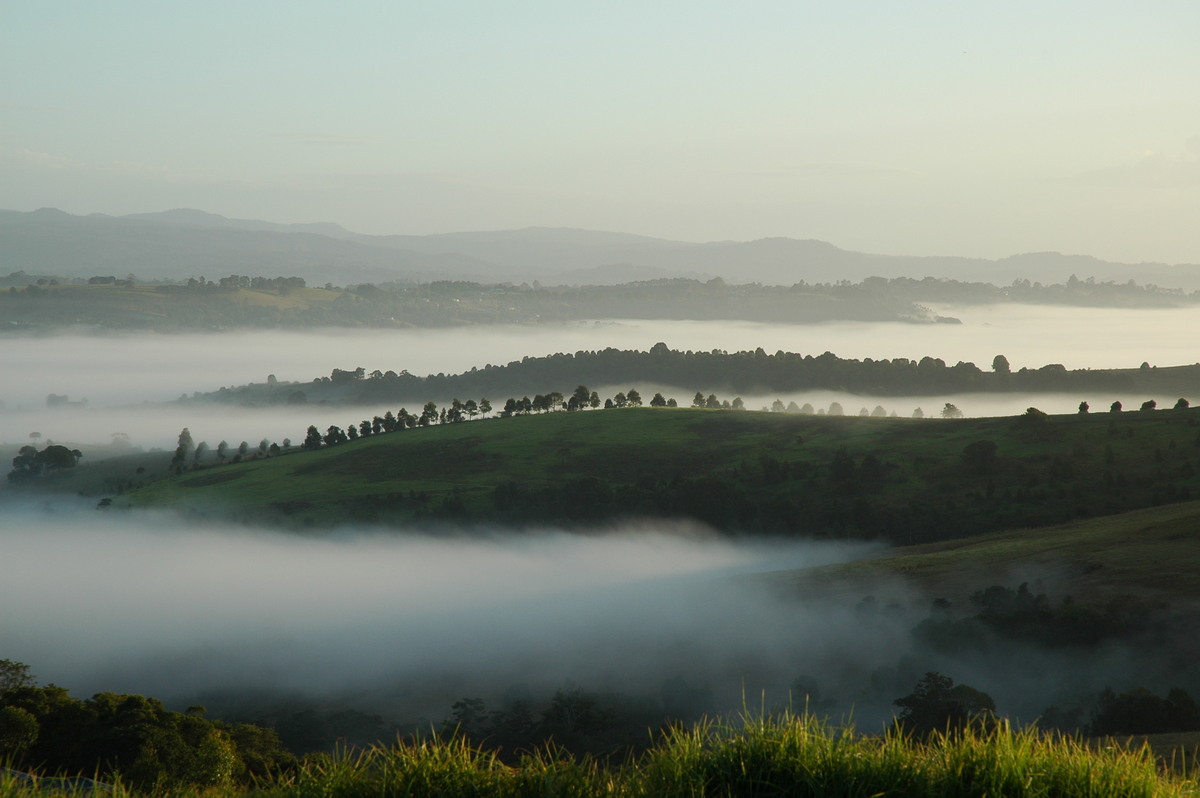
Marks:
<point>782,755</point>
<point>790,755</point>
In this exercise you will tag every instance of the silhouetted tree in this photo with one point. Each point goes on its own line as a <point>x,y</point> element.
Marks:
<point>579,399</point>
<point>950,411</point>
<point>937,704</point>
<point>312,440</point>
<point>183,448</point>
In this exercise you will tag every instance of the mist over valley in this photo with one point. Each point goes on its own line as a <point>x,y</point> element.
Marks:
<point>606,400</point>
<point>129,382</point>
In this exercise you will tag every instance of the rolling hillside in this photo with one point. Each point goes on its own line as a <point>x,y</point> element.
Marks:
<point>1152,555</point>
<point>902,480</point>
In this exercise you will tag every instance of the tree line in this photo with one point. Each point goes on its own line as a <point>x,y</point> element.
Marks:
<point>733,372</point>
<point>128,737</point>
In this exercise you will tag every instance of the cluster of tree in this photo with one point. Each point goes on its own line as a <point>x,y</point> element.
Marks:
<point>1002,616</point>
<point>186,450</point>
<point>605,725</point>
<point>198,302</point>
<point>235,282</point>
<point>110,280</point>
<point>1081,293</point>
<point>937,704</point>
<point>31,463</point>
<point>129,738</point>
<point>458,411</point>
<point>1140,711</point>
<point>737,372</point>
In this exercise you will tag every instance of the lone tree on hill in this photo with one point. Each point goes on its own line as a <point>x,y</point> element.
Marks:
<point>950,411</point>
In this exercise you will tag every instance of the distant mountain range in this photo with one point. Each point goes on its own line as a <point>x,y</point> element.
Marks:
<point>184,243</point>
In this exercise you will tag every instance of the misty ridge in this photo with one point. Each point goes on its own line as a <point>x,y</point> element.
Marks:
<point>358,629</point>
<point>184,243</point>
<point>125,384</point>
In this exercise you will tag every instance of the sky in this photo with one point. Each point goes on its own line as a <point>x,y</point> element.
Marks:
<point>983,129</point>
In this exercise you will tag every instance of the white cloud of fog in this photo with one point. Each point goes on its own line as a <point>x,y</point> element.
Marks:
<point>404,624</point>
<point>146,603</point>
<point>117,374</point>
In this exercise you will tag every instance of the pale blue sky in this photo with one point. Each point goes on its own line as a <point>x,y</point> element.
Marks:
<point>986,128</point>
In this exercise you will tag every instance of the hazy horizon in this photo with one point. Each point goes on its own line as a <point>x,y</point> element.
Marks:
<point>927,129</point>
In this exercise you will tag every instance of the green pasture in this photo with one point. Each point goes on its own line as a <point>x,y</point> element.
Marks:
<point>791,474</point>
<point>1151,554</point>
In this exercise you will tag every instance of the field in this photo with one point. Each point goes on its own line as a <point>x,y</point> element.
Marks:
<point>906,481</point>
<point>1152,555</point>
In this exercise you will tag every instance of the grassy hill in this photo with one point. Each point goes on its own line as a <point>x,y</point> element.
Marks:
<point>1151,555</point>
<point>903,480</point>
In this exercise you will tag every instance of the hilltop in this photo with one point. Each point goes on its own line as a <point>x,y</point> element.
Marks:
<point>900,480</point>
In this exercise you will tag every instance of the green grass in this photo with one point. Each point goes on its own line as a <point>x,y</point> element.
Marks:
<point>1152,555</point>
<point>783,755</point>
<point>908,480</point>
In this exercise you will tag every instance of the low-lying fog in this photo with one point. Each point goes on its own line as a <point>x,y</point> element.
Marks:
<point>148,604</point>
<point>116,374</point>
<point>405,624</point>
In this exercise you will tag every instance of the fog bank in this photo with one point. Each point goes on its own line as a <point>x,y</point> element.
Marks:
<point>405,624</point>
<point>119,374</point>
<point>147,604</point>
<point>110,369</point>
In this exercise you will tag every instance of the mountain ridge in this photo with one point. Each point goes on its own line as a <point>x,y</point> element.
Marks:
<point>186,242</point>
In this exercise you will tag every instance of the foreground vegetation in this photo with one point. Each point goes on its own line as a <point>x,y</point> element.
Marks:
<point>782,755</point>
